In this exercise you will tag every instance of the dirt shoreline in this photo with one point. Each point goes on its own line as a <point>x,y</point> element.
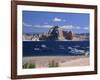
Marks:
<point>61,61</point>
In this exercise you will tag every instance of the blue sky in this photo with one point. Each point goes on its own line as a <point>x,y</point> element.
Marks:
<point>39,21</point>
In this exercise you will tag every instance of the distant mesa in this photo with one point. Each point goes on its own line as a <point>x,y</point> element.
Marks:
<point>55,33</point>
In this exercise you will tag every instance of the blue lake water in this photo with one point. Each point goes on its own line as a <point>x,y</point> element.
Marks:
<point>55,48</point>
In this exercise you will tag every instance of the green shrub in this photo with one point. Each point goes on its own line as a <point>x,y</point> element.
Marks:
<point>29,65</point>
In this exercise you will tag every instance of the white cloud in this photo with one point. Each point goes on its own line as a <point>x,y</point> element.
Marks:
<point>68,27</point>
<point>57,19</point>
<point>38,26</point>
<point>71,27</point>
<point>27,25</point>
<point>46,25</point>
<point>86,28</point>
<point>77,27</point>
<point>42,26</point>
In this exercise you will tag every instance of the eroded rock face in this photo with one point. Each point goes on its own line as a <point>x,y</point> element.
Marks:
<point>53,33</point>
<point>56,33</point>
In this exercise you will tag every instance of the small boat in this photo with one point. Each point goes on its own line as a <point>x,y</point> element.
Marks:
<point>86,53</point>
<point>43,46</point>
<point>76,51</point>
<point>36,49</point>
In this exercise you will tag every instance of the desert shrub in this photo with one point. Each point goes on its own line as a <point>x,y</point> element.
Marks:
<point>29,65</point>
<point>53,64</point>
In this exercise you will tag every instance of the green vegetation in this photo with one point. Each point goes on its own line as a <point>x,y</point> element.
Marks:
<point>53,64</point>
<point>29,65</point>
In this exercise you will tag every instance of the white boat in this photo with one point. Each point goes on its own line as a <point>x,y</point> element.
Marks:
<point>36,49</point>
<point>43,46</point>
<point>76,51</point>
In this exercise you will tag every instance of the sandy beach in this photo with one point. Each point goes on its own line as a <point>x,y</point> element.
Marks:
<point>59,61</point>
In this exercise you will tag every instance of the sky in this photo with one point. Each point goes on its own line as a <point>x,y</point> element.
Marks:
<point>40,21</point>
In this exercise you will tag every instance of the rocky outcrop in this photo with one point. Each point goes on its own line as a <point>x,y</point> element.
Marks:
<point>53,33</point>
<point>56,33</point>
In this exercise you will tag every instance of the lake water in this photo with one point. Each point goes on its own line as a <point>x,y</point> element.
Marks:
<point>55,48</point>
